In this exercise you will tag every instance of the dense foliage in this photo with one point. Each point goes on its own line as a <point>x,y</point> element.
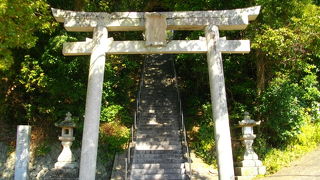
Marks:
<point>278,82</point>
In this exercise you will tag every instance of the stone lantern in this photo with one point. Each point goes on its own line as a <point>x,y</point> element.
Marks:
<point>66,159</point>
<point>250,166</point>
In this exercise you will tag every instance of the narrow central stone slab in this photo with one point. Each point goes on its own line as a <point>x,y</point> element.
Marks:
<point>22,152</point>
<point>155,29</point>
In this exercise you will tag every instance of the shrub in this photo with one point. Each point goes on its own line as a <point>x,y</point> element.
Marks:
<point>287,105</point>
<point>277,158</point>
<point>204,142</point>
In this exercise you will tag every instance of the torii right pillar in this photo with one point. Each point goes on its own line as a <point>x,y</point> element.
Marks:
<point>219,104</point>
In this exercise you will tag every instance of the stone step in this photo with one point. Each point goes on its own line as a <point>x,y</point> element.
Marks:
<point>155,98</point>
<point>158,86</point>
<point>158,151</point>
<point>155,104</point>
<point>153,135</point>
<point>157,143</point>
<point>159,95</point>
<point>145,146</point>
<point>162,89</point>
<point>160,115</point>
<point>158,83</point>
<point>160,92</point>
<point>151,118</point>
<point>165,76</point>
<point>165,79</point>
<point>160,177</point>
<point>158,120</point>
<point>156,139</point>
<point>145,123</point>
<point>157,74</point>
<point>156,65</point>
<point>150,97</point>
<point>165,103</point>
<point>164,97</point>
<point>158,171</point>
<point>149,112</point>
<point>157,62</point>
<point>154,61</point>
<point>156,68</point>
<point>159,156</point>
<point>157,160</point>
<point>156,126</point>
<point>153,111</point>
<point>148,108</point>
<point>158,166</point>
<point>158,132</point>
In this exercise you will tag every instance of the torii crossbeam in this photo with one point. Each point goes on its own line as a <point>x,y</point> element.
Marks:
<point>155,25</point>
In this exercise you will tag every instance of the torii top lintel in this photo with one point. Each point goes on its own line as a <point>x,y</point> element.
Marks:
<point>236,19</point>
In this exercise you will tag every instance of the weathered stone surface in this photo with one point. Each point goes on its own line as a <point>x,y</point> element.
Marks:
<point>22,152</point>
<point>93,105</point>
<point>246,171</point>
<point>57,174</point>
<point>219,105</point>
<point>250,163</point>
<point>132,21</point>
<point>155,29</point>
<point>158,151</point>
<point>172,47</point>
<point>250,171</point>
<point>118,170</point>
<point>7,161</point>
<point>39,166</point>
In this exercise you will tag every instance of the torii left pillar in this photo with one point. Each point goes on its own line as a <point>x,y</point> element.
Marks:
<point>93,104</point>
<point>219,105</point>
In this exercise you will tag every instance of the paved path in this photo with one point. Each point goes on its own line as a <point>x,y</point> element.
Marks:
<point>305,168</point>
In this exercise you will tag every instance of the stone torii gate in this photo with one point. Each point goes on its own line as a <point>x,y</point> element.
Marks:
<point>155,25</point>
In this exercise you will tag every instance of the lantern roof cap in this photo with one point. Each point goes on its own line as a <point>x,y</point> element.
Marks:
<point>67,122</point>
<point>247,121</point>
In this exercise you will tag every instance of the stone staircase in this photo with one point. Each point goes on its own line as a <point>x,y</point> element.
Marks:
<point>158,151</point>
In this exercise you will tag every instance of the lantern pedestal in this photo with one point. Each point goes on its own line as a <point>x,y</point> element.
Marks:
<point>66,159</point>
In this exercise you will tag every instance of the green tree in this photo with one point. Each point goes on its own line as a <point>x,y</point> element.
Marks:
<point>20,20</point>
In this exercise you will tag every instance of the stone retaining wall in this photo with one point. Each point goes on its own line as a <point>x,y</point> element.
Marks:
<point>40,167</point>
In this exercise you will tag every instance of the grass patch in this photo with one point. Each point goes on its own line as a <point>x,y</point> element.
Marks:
<point>308,140</point>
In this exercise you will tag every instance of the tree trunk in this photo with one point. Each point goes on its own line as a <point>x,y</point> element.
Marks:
<point>261,68</point>
<point>79,5</point>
